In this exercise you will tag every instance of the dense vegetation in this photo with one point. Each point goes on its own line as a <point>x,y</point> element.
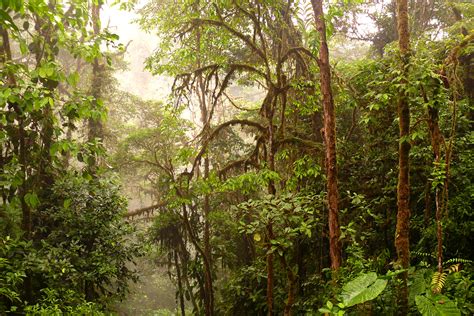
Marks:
<point>304,163</point>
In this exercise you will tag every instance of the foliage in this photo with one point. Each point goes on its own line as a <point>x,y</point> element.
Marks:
<point>12,270</point>
<point>438,305</point>
<point>234,163</point>
<point>57,302</point>
<point>89,243</point>
<point>365,287</point>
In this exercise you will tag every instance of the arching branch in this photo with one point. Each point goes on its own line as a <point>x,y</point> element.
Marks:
<point>297,51</point>
<point>143,210</point>
<point>217,130</point>
<point>251,159</point>
<point>246,39</point>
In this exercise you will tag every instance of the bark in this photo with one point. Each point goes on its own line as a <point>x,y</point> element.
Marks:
<point>402,242</point>
<point>180,284</point>
<point>270,272</point>
<point>96,130</point>
<point>269,114</point>
<point>45,177</point>
<point>436,141</point>
<point>184,257</point>
<point>329,138</point>
<point>467,63</point>
<point>205,120</point>
<point>291,287</point>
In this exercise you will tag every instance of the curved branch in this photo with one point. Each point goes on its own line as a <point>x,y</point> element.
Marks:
<point>297,50</point>
<point>246,39</point>
<point>143,210</point>
<point>217,130</point>
<point>296,140</point>
<point>244,161</point>
<point>235,105</point>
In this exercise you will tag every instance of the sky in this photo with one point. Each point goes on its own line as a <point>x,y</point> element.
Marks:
<point>136,79</point>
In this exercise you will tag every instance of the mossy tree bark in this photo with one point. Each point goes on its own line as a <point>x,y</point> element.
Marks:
<point>402,241</point>
<point>329,138</point>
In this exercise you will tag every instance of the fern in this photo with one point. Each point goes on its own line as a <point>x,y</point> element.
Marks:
<point>438,281</point>
<point>453,268</point>
<point>458,260</point>
<point>423,254</point>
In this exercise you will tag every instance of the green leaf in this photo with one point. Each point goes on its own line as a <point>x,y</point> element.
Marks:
<point>6,19</point>
<point>257,237</point>
<point>42,72</point>
<point>364,288</point>
<point>324,310</point>
<point>31,199</point>
<point>418,286</point>
<point>67,203</point>
<point>73,78</point>
<point>441,307</point>
<point>329,304</point>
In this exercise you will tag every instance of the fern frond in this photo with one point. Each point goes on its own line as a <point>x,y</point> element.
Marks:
<point>453,268</point>
<point>438,281</point>
<point>423,254</point>
<point>458,260</point>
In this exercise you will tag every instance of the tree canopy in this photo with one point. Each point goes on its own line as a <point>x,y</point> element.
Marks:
<point>312,157</point>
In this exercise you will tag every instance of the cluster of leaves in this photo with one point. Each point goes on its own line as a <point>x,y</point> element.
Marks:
<point>86,252</point>
<point>230,45</point>
<point>65,247</point>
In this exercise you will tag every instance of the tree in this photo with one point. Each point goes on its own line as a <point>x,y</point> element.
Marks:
<point>329,137</point>
<point>402,241</point>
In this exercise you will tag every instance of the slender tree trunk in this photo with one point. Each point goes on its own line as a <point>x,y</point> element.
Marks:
<point>96,129</point>
<point>291,287</point>
<point>402,242</point>
<point>436,140</point>
<point>269,113</point>
<point>180,283</point>
<point>329,138</point>
<point>184,257</point>
<point>205,120</point>
<point>45,31</point>
<point>270,271</point>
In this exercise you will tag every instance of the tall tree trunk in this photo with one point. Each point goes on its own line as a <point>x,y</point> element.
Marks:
<point>205,120</point>
<point>96,130</point>
<point>436,141</point>
<point>269,114</point>
<point>45,31</point>
<point>180,282</point>
<point>402,242</point>
<point>329,138</point>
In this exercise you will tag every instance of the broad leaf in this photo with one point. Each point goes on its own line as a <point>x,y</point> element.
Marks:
<point>364,288</point>
<point>440,307</point>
